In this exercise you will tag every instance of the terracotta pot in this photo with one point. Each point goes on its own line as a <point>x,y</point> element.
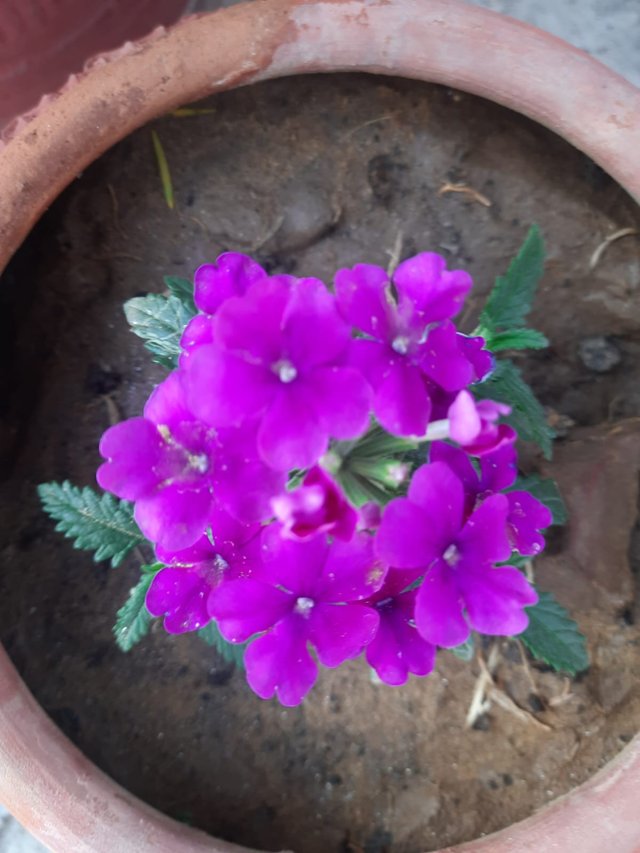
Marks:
<point>42,42</point>
<point>57,793</point>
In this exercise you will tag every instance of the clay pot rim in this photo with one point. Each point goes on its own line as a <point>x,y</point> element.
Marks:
<point>62,798</point>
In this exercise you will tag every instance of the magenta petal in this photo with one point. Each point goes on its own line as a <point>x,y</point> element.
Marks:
<point>197,333</point>
<point>372,359</point>
<point>484,537</point>
<point>313,332</point>
<point>439,493</point>
<point>385,656</point>
<point>438,613</point>
<point>363,300</point>
<point>341,398</point>
<point>481,359</point>
<point>246,607</point>
<point>132,450</point>
<point>458,461</point>
<point>231,275</point>
<point>251,325</point>
<point>224,390</point>
<point>499,469</point>
<point>167,404</point>
<point>173,518</point>
<point>435,292</point>
<point>442,359</point>
<point>245,487</point>
<point>280,663</point>
<point>401,403</point>
<point>398,649</point>
<point>291,435</point>
<point>405,539</point>
<point>181,596</point>
<point>352,571</point>
<point>464,420</point>
<point>294,564</point>
<point>341,631</point>
<point>495,600</point>
<point>527,515</point>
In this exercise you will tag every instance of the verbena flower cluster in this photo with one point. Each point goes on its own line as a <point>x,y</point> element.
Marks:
<point>237,468</point>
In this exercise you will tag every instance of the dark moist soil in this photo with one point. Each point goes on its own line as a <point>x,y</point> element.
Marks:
<point>311,174</point>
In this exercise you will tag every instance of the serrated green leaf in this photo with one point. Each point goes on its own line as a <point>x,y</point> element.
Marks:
<point>230,652</point>
<point>465,651</point>
<point>182,289</point>
<point>512,296</point>
<point>133,620</point>
<point>546,491</point>
<point>516,339</point>
<point>506,385</point>
<point>553,637</point>
<point>159,321</point>
<point>98,523</point>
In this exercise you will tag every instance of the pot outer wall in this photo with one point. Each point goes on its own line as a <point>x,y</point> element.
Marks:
<point>44,780</point>
<point>43,41</point>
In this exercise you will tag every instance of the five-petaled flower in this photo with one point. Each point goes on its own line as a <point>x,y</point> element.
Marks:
<point>310,592</point>
<point>462,587</point>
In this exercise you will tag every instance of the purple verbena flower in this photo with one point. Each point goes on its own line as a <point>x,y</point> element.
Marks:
<point>279,354</point>
<point>462,587</point>
<point>175,468</point>
<point>181,590</point>
<point>473,424</point>
<point>526,515</point>
<point>316,506</point>
<point>397,648</point>
<point>231,275</point>
<point>309,592</point>
<point>409,343</point>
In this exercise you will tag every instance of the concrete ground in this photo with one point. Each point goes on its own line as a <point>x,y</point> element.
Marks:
<point>608,29</point>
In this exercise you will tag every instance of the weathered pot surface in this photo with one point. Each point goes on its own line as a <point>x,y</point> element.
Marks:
<point>57,793</point>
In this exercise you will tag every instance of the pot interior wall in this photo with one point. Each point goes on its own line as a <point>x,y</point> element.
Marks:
<point>311,174</point>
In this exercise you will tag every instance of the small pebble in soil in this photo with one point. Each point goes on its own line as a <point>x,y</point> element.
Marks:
<point>599,354</point>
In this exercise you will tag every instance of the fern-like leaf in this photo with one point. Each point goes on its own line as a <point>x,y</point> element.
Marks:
<point>98,523</point>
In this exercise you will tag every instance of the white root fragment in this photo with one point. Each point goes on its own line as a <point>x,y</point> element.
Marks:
<point>448,187</point>
<point>601,249</point>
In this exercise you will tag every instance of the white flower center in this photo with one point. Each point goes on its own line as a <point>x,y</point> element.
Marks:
<point>304,606</point>
<point>400,344</point>
<point>451,555</point>
<point>285,371</point>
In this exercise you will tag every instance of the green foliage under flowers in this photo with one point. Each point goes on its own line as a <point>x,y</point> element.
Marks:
<point>159,321</point>
<point>133,620</point>
<point>99,523</point>
<point>554,637</point>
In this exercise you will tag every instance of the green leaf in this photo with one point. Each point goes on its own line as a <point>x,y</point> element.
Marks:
<point>546,491</point>
<point>98,523</point>
<point>229,652</point>
<point>516,339</point>
<point>375,444</point>
<point>506,385</point>
<point>360,490</point>
<point>133,620</point>
<point>183,289</point>
<point>512,296</point>
<point>159,321</point>
<point>465,651</point>
<point>163,170</point>
<point>553,636</point>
